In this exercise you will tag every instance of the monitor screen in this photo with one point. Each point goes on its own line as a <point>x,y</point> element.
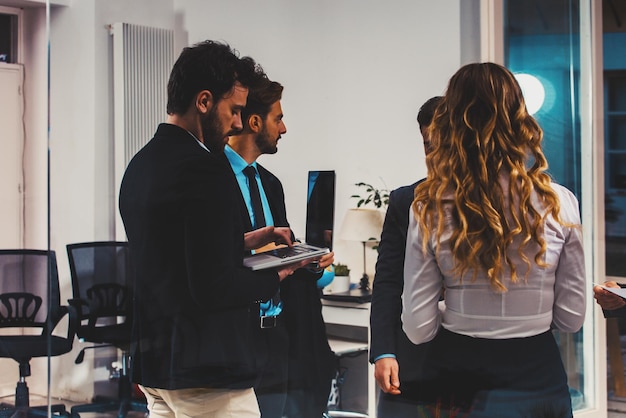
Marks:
<point>320,208</point>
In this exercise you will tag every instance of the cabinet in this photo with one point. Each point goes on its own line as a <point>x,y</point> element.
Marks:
<point>353,321</point>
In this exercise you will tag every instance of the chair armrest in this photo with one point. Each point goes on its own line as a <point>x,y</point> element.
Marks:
<point>78,304</point>
<point>61,312</point>
<point>72,321</point>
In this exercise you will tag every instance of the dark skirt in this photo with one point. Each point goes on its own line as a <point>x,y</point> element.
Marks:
<point>479,377</point>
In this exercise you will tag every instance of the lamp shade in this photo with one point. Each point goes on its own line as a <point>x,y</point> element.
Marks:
<point>362,225</point>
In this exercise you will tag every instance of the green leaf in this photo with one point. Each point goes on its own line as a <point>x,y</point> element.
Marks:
<point>376,197</point>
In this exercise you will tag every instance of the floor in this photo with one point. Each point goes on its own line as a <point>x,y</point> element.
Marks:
<point>616,406</point>
<point>40,400</point>
<point>617,409</point>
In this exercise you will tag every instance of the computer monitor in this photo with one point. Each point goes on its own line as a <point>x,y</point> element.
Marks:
<point>320,208</point>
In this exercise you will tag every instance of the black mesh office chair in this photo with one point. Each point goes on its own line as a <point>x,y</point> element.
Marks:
<point>30,309</point>
<point>103,298</point>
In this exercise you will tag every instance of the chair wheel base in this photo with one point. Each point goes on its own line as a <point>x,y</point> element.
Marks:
<point>9,411</point>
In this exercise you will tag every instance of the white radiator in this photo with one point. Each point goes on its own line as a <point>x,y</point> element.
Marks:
<point>142,61</point>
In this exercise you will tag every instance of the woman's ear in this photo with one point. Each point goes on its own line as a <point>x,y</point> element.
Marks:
<point>255,122</point>
<point>204,101</point>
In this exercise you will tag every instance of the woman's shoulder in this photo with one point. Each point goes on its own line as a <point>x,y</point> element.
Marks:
<point>564,193</point>
<point>568,202</point>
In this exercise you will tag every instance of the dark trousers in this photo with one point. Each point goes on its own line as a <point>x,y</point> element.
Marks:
<point>271,387</point>
<point>512,378</point>
<point>396,406</point>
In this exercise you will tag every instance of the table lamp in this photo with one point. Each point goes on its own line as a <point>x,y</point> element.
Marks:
<point>362,225</point>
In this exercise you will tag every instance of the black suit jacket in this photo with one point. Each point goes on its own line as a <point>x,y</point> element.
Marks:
<point>194,301</point>
<point>311,362</point>
<point>387,336</point>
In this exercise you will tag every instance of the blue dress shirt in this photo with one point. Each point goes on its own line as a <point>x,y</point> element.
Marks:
<point>238,164</point>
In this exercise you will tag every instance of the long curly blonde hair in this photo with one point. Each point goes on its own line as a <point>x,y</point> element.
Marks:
<point>481,130</point>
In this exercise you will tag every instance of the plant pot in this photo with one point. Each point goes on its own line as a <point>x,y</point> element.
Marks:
<point>340,284</point>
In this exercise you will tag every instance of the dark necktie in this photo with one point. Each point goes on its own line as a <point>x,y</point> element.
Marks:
<point>257,209</point>
<point>255,197</point>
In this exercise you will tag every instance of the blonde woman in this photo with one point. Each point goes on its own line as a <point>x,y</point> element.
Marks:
<point>490,227</point>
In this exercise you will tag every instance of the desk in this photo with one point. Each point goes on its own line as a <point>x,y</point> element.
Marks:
<point>346,313</point>
<point>353,315</point>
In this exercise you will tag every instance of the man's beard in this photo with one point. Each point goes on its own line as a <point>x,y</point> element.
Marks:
<point>213,131</point>
<point>264,144</point>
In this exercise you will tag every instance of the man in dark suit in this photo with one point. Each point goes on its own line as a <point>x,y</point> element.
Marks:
<point>193,300</point>
<point>298,362</point>
<point>397,361</point>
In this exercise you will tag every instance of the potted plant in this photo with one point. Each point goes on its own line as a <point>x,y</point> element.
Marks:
<point>378,198</point>
<point>372,196</point>
<point>341,270</point>
<point>341,282</point>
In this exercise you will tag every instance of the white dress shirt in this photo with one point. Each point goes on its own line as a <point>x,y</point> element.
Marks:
<point>553,295</point>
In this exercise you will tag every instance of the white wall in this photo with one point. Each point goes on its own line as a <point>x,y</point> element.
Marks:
<point>355,73</point>
<point>82,113</point>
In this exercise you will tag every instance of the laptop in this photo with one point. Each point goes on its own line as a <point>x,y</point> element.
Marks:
<point>320,213</point>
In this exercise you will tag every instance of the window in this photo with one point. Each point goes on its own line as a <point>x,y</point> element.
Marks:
<point>615,171</point>
<point>8,38</point>
<point>543,40</point>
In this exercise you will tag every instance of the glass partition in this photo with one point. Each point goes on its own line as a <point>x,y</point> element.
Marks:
<point>546,46</point>
<point>352,91</point>
<point>614,65</point>
<point>35,325</point>
<point>334,78</point>
<point>612,84</point>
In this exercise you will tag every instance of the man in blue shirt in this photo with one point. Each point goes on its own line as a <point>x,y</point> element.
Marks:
<point>298,364</point>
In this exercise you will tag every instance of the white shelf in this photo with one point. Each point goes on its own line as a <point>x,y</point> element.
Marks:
<point>341,347</point>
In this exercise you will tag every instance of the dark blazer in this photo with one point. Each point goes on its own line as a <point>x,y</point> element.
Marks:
<point>387,336</point>
<point>194,301</point>
<point>311,362</point>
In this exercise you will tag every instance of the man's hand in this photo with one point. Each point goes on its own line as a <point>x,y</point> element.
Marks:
<point>268,234</point>
<point>286,271</point>
<point>318,266</point>
<point>606,299</point>
<point>323,262</point>
<point>386,375</point>
<point>326,260</point>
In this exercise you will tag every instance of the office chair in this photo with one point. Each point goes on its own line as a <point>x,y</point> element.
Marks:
<point>103,298</point>
<point>30,310</point>
<point>348,394</point>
